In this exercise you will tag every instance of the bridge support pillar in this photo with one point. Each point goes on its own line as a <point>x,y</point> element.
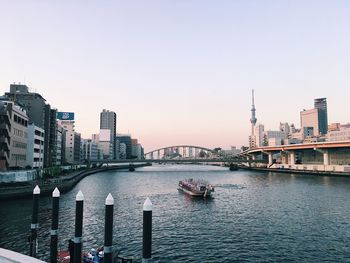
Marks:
<point>325,157</point>
<point>292,157</point>
<point>270,158</point>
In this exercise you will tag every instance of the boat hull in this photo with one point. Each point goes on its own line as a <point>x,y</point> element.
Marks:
<point>195,194</point>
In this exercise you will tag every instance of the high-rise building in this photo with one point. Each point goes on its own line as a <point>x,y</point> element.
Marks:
<point>104,144</point>
<point>108,120</point>
<point>18,137</point>
<point>39,113</point>
<point>126,139</point>
<point>35,146</point>
<point>309,118</point>
<point>321,106</point>
<point>89,150</point>
<point>71,146</point>
<point>50,127</point>
<point>259,135</point>
<point>5,134</point>
<point>33,103</point>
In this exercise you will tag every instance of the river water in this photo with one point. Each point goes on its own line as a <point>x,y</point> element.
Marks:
<point>252,217</point>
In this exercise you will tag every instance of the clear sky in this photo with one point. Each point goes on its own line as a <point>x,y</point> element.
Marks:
<point>180,71</point>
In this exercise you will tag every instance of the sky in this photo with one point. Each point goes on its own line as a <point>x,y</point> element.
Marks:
<point>180,71</point>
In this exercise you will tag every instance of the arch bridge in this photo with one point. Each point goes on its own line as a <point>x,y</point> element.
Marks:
<point>181,152</point>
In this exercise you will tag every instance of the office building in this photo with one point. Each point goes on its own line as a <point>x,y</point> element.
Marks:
<point>40,114</point>
<point>59,144</point>
<point>339,132</point>
<point>321,105</point>
<point>274,138</point>
<point>33,103</point>
<point>89,151</point>
<point>35,147</point>
<point>108,120</point>
<point>14,135</point>
<point>104,143</point>
<point>259,135</point>
<point>5,134</point>
<point>71,146</point>
<point>309,118</point>
<point>126,139</point>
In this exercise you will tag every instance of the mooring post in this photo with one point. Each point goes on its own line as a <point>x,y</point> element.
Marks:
<point>108,249</point>
<point>54,225</point>
<point>147,231</point>
<point>34,225</point>
<point>78,237</point>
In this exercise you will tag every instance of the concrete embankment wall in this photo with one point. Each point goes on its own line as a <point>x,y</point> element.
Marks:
<point>63,183</point>
<point>299,171</point>
<point>18,176</point>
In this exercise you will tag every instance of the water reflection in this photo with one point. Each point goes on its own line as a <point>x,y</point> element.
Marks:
<point>253,216</point>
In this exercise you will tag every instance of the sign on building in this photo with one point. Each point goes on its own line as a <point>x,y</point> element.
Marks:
<point>65,116</point>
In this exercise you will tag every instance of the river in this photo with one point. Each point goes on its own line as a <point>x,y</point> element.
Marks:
<point>252,217</point>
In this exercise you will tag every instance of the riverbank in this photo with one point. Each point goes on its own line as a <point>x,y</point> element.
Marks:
<point>294,171</point>
<point>64,182</point>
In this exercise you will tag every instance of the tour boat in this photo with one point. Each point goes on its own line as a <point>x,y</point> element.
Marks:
<point>93,256</point>
<point>196,187</point>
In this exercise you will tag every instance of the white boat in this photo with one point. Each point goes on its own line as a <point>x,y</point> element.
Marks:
<point>197,187</point>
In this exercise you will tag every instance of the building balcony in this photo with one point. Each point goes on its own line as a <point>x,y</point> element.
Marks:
<point>5,127</point>
<point>4,155</point>
<point>5,141</point>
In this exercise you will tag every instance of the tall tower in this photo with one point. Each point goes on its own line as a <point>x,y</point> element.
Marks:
<point>252,137</point>
<point>253,118</point>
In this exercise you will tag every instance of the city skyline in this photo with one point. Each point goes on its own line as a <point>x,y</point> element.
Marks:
<point>180,73</point>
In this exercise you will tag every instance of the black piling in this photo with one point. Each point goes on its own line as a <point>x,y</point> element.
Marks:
<point>147,231</point>
<point>108,249</point>
<point>78,237</point>
<point>54,225</point>
<point>33,239</point>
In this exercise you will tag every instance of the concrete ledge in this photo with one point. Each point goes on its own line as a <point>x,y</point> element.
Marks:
<point>8,256</point>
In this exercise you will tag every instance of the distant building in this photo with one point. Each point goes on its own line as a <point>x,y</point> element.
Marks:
<point>259,135</point>
<point>334,127</point>
<point>108,120</point>
<point>89,150</point>
<point>35,146</point>
<point>71,142</point>
<point>33,103</point>
<point>39,113</point>
<point>284,127</point>
<point>59,144</point>
<point>309,118</point>
<point>316,118</point>
<point>307,132</point>
<point>122,151</point>
<point>232,151</point>
<point>50,127</point>
<point>274,138</point>
<point>104,143</point>
<point>126,139</point>
<point>341,133</point>
<point>136,150</point>
<point>14,131</point>
<point>321,105</point>
<point>5,134</point>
